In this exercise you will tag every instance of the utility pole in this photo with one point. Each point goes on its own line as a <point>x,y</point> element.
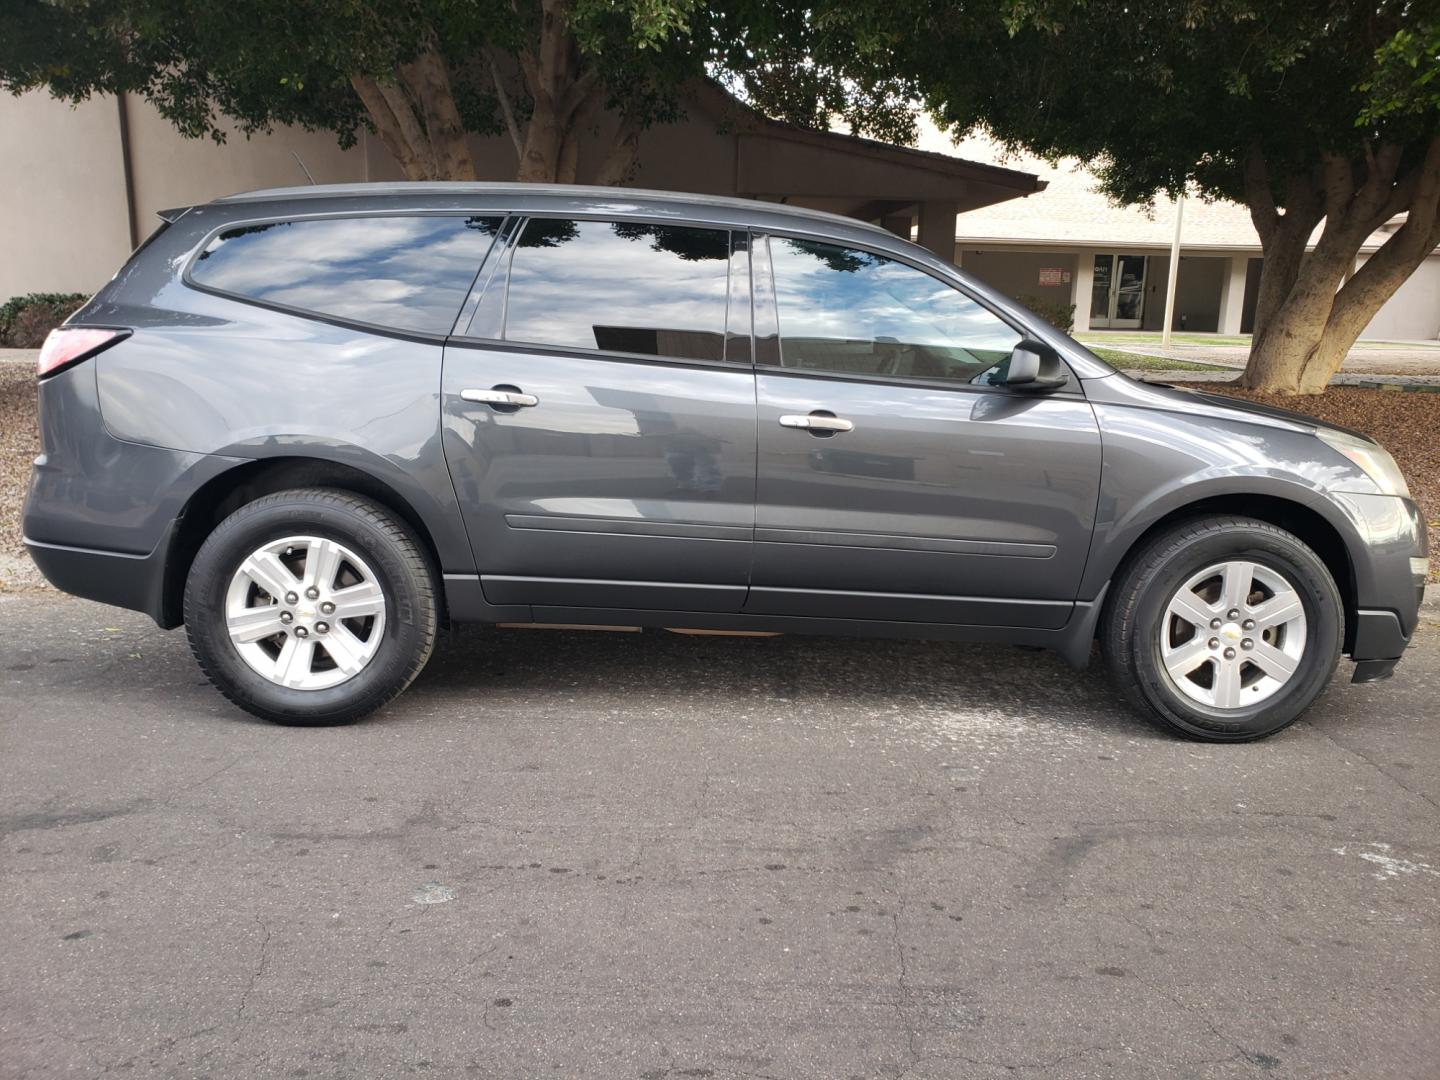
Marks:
<point>1174,273</point>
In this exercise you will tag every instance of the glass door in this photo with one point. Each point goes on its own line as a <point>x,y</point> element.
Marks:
<point>1117,293</point>
<point>1128,304</point>
<point>1100,299</point>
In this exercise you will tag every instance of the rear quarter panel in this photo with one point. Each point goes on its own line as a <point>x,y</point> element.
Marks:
<point>210,375</point>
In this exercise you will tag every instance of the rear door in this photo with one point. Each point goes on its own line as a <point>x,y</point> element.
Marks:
<point>599,417</point>
<point>897,479</point>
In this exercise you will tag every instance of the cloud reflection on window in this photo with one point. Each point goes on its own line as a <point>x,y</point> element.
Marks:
<point>853,312</point>
<point>411,273</point>
<point>659,290</point>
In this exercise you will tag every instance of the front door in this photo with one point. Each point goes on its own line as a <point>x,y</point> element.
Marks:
<point>897,479</point>
<point>1117,292</point>
<point>599,422</point>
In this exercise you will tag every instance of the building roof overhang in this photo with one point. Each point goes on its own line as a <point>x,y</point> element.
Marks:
<point>848,174</point>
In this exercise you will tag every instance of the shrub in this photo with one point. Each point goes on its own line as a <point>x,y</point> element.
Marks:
<point>25,320</point>
<point>1060,316</point>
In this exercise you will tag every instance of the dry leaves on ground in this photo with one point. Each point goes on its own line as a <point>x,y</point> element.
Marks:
<point>19,443</point>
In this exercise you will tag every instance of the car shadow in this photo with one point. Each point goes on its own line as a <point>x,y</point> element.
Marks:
<point>833,674</point>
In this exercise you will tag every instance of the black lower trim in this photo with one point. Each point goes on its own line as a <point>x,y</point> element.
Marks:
<point>1373,670</point>
<point>1378,636</point>
<point>119,578</point>
<point>910,607</point>
<point>1072,642</point>
<point>465,601</point>
<point>676,595</point>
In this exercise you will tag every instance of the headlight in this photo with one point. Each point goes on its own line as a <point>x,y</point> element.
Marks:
<point>1372,458</point>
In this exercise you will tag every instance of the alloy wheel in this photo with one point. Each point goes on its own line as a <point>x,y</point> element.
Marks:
<point>1233,634</point>
<point>305,612</point>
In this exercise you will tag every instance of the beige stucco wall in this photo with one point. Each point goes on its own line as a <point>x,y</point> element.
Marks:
<point>1017,273</point>
<point>1413,313</point>
<point>1197,292</point>
<point>174,171</point>
<point>63,212</point>
<point>62,202</point>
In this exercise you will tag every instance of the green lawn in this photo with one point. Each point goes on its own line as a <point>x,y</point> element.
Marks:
<point>1131,361</point>
<point>1237,341</point>
<point>1146,337</point>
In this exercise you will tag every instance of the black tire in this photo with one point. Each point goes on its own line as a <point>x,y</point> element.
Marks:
<point>391,550</point>
<point>1132,621</point>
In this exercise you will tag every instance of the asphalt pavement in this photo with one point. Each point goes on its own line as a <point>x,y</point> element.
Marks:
<point>653,856</point>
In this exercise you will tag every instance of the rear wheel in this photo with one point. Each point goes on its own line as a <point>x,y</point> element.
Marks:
<point>311,606</point>
<point>1223,629</point>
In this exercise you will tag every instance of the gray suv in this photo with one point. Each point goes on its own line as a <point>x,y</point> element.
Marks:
<point>313,425</point>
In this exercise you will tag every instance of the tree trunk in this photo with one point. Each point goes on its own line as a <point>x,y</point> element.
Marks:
<point>562,93</point>
<point>428,78</point>
<point>387,127</point>
<point>540,158</point>
<point>624,157</point>
<point>1283,354</point>
<point>1311,310</point>
<point>415,116</point>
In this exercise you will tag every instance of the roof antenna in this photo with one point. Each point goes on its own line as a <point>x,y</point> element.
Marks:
<point>301,162</point>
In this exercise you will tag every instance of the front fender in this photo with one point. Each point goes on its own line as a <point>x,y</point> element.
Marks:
<point>1159,462</point>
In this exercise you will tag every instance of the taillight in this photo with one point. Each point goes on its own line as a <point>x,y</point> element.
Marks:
<point>66,346</point>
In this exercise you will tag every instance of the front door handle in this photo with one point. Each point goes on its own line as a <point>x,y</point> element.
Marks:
<point>818,422</point>
<point>500,396</point>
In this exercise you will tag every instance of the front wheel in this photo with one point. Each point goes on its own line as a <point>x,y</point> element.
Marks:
<point>1223,629</point>
<point>311,606</point>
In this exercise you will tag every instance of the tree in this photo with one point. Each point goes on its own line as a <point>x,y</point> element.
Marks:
<point>1316,114</point>
<point>423,74</point>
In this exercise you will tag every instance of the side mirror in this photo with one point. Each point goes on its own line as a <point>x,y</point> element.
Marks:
<point>1034,365</point>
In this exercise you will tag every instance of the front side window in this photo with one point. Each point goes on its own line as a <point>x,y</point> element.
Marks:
<point>658,290</point>
<point>850,312</point>
<point>410,273</point>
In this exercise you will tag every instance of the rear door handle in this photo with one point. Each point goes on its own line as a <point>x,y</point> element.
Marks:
<point>817,422</point>
<point>499,396</point>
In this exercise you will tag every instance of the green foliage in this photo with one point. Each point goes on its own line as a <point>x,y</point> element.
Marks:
<point>1165,94</point>
<point>25,320</point>
<point>1061,316</point>
<point>1406,80</point>
<point>265,62</point>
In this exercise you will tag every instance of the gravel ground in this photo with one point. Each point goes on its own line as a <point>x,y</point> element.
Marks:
<point>19,443</point>
<point>1408,425</point>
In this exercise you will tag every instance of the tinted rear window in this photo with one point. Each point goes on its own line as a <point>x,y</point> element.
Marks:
<point>620,286</point>
<point>411,273</point>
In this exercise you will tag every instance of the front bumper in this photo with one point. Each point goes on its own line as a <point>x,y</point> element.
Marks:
<point>1390,573</point>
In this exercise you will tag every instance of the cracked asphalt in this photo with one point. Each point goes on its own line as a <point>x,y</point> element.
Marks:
<point>653,856</point>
